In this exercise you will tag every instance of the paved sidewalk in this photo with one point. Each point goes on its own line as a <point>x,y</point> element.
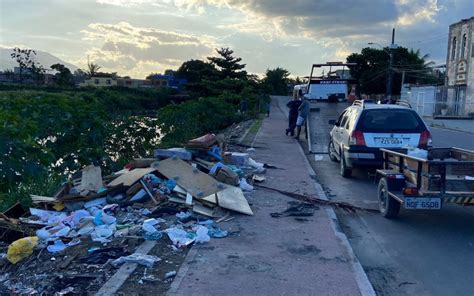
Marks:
<point>273,256</point>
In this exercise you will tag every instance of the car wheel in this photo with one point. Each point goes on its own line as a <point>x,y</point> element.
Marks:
<point>345,171</point>
<point>389,207</point>
<point>332,151</point>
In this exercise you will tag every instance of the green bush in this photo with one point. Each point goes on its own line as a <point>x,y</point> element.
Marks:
<point>180,123</point>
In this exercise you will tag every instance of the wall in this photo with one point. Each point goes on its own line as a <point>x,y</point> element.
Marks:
<point>421,98</point>
<point>459,68</point>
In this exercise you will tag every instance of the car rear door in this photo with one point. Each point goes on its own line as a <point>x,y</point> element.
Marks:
<point>336,135</point>
<point>391,128</point>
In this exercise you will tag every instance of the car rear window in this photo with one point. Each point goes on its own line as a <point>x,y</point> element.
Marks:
<point>390,120</point>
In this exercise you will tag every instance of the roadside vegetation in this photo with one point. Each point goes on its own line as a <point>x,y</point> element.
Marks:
<point>47,133</point>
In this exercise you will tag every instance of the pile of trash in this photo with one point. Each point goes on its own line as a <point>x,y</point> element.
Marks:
<point>182,193</point>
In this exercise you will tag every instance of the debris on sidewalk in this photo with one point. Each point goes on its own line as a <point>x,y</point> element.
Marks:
<point>297,209</point>
<point>94,223</point>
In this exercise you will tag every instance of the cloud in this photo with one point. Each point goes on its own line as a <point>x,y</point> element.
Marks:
<point>138,51</point>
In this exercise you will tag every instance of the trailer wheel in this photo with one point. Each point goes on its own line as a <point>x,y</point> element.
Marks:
<point>332,151</point>
<point>389,207</point>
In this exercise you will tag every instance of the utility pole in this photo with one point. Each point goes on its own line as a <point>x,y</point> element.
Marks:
<point>390,67</point>
<point>403,80</point>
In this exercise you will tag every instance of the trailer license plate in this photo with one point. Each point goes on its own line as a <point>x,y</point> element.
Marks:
<point>425,203</point>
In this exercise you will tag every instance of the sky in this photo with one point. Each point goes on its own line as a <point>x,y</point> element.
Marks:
<point>138,37</point>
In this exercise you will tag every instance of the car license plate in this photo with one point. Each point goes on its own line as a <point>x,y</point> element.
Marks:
<point>422,203</point>
<point>390,141</point>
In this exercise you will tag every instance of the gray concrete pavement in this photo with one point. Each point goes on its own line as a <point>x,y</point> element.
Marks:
<point>270,256</point>
<point>422,252</point>
<point>450,138</point>
<point>464,125</point>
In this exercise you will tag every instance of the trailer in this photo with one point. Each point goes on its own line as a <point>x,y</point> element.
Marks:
<point>445,176</point>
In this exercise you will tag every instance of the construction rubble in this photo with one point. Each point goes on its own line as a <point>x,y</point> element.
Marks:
<point>76,240</point>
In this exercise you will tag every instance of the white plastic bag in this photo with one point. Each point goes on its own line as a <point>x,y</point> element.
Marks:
<point>202,235</point>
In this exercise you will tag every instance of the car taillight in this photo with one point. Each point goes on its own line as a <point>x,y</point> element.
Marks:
<point>357,138</point>
<point>425,140</point>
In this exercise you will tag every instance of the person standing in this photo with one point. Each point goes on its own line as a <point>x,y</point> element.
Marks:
<point>267,108</point>
<point>293,105</point>
<point>303,111</point>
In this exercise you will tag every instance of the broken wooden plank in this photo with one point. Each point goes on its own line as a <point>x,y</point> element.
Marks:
<point>203,210</point>
<point>129,178</point>
<point>145,186</point>
<point>232,198</point>
<point>189,199</point>
<point>190,179</point>
<point>91,179</point>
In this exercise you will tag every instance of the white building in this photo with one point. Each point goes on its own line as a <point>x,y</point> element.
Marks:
<point>460,68</point>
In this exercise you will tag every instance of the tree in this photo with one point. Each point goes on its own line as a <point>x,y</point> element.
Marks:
<point>195,71</point>
<point>170,72</point>
<point>373,67</point>
<point>63,76</point>
<point>27,64</point>
<point>276,81</point>
<point>228,64</point>
<point>92,69</point>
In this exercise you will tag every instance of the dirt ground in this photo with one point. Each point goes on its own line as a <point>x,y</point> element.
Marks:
<point>79,270</point>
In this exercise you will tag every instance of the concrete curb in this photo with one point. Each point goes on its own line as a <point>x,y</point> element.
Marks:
<point>118,279</point>
<point>183,269</point>
<point>450,128</point>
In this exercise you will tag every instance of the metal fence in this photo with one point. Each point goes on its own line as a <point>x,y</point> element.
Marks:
<point>451,102</point>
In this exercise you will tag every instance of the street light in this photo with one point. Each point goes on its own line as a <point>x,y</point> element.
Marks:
<point>391,48</point>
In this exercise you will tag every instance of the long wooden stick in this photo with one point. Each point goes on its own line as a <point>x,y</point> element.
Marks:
<point>316,200</point>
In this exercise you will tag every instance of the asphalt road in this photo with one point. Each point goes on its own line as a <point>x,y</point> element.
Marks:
<point>421,252</point>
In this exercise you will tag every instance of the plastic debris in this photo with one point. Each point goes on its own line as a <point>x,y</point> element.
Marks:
<point>245,186</point>
<point>170,184</point>
<point>201,235</point>
<point>216,232</point>
<point>46,217</point>
<point>102,233</point>
<point>179,237</point>
<point>174,152</point>
<point>95,202</point>
<point>58,246</point>
<point>183,215</point>
<point>170,274</point>
<point>22,248</point>
<point>142,259</point>
<point>140,195</point>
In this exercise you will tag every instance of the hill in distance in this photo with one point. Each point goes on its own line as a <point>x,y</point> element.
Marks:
<point>44,58</point>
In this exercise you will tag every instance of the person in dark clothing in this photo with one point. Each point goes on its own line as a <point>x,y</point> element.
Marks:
<point>293,115</point>
<point>303,111</point>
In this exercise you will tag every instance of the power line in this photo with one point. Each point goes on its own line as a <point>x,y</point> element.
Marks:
<point>428,40</point>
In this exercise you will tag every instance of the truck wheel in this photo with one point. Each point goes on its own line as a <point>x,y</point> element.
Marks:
<point>332,151</point>
<point>345,171</point>
<point>389,207</point>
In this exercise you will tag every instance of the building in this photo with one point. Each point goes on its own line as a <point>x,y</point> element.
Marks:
<point>460,69</point>
<point>132,83</point>
<point>99,82</point>
<point>166,81</point>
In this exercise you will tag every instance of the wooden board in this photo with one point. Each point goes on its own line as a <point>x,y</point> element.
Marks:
<point>128,179</point>
<point>91,179</point>
<point>195,182</point>
<point>232,198</point>
<point>203,210</point>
